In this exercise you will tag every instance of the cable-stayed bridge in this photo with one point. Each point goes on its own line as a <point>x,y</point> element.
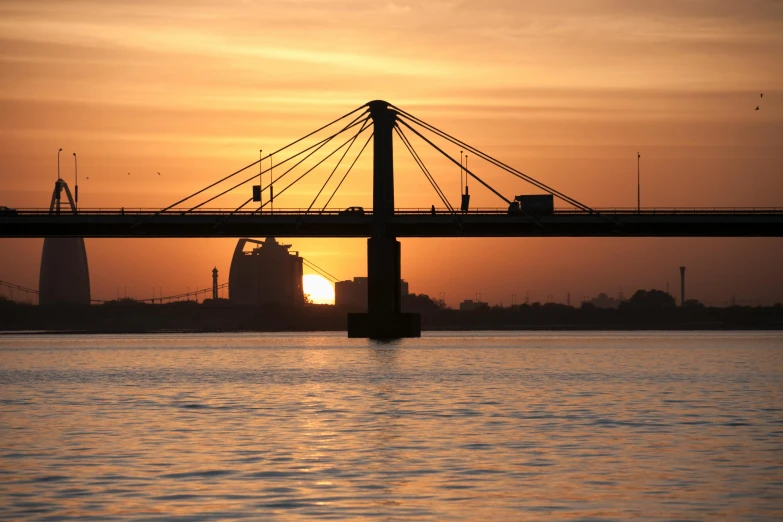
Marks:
<point>343,141</point>
<point>658,222</point>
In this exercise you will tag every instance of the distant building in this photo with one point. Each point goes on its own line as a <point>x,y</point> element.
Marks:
<point>604,301</point>
<point>468,305</point>
<point>64,276</point>
<point>353,294</point>
<point>267,274</point>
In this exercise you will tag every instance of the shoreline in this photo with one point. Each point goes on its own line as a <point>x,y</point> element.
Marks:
<point>488,328</point>
<point>222,318</point>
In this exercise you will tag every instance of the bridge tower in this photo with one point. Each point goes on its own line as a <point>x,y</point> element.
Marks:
<point>384,317</point>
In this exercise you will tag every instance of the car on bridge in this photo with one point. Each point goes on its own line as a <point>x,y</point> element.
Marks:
<point>5,211</point>
<point>352,211</point>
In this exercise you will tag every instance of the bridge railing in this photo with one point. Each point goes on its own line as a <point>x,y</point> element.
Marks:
<point>612,210</point>
<point>131,211</point>
<point>679,210</point>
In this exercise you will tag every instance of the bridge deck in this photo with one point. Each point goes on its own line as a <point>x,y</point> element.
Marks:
<point>714,222</point>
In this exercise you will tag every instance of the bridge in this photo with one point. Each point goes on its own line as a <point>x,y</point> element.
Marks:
<point>149,223</point>
<point>384,223</point>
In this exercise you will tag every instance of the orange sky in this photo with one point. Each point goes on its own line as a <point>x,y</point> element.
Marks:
<point>566,91</point>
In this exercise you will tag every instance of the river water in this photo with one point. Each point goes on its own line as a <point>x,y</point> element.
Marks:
<point>452,426</point>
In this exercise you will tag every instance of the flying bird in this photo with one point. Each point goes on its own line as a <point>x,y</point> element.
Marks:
<point>129,172</point>
<point>757,107</point>
<point>762,94</point>
<point>158,173</point>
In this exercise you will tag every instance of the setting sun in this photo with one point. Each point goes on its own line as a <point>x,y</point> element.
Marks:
<point>318,288</point>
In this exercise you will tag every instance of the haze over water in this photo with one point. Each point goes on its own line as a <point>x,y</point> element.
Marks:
<point>467,426</point>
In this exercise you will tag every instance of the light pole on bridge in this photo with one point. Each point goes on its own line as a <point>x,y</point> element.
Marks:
<point>638,186</point>
<point>76,187</point>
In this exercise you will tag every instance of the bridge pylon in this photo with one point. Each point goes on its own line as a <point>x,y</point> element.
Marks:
<point>384,318</point>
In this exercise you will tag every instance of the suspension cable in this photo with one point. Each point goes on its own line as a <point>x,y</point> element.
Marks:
<point>423,168</point>
<point>283,174</point>
<point>498,194</point>
<point>364,126</point>
<point>419,162</point>
<point>496,162</point>
<point>319,270</point>
<point>317,147</point>
<point>286,172</point>
<point>490,159</point>
<point>348,171</point>
<point>260,159</point>
<point>309,170</point>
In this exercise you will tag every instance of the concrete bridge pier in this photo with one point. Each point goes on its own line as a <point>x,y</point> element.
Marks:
<point>384,318</point>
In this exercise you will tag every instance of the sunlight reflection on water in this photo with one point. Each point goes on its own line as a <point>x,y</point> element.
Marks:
<point>450,426</point>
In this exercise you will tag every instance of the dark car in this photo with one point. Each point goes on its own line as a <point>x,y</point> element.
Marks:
<point>5,211</point>
<point>352,211</point>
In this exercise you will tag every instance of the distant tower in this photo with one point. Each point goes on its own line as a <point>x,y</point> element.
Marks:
<point>682,286</point>
<point>214,284</point>
<point>64,277</point>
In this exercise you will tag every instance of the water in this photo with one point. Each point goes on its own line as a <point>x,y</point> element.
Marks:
<point>479,426</point>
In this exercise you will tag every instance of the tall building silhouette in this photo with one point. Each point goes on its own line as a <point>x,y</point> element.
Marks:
<point>267,274</point>
<point>64,276</point>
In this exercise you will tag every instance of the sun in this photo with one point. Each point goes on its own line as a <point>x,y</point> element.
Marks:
<point>318,288</point>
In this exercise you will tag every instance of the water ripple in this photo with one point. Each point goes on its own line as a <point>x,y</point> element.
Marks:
<point>454,426</point>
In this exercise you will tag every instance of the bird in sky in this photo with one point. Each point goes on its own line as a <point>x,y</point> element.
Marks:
<point>158,173</point>
<point>88,177</point>
<point>757,107</point>
<point>129,172</point>
<point>762,94</point>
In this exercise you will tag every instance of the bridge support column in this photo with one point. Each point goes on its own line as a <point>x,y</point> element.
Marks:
<point>384,318</point>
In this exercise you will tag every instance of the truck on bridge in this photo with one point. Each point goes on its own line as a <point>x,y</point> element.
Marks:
<point>533,205</point>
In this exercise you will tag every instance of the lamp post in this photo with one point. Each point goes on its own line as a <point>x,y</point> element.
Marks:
<point>460,173</point>
<point>76,186</point>
<point>638,186</point>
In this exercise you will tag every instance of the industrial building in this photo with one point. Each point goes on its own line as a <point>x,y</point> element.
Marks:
<point>468,305</point>
<point>267,274</point>
<point>64,276</point>
<point>353,294</point>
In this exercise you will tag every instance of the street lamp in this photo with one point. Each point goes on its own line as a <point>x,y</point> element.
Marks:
<point>76,187</point>
<point>638,186</point>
